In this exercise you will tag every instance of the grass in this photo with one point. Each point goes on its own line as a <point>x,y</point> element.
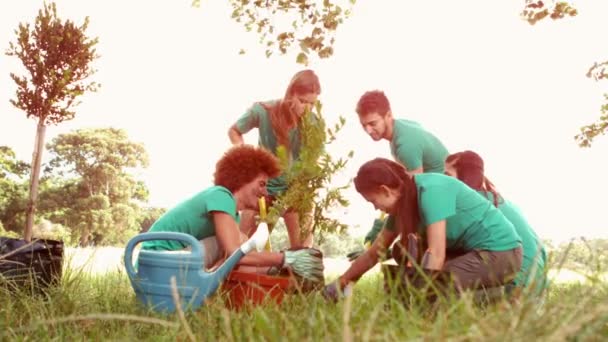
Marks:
<point>103,307</point>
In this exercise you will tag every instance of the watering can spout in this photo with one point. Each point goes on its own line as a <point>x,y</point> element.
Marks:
<point>257,241</point>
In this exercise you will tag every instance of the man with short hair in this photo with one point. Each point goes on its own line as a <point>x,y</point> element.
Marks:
<point>411,145</point>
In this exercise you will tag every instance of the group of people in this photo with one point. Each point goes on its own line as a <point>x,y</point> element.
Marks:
<point>469,230</point>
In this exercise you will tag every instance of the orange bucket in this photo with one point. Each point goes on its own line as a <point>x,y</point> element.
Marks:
<point>242,287</point>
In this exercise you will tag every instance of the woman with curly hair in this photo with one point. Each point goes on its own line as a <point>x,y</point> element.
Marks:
<point>212,215</point>
<point>278,125</point>
<point>450,215</point>
<point>468,166</point>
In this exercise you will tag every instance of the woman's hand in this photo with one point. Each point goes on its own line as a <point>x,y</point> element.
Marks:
<point>434,258</point>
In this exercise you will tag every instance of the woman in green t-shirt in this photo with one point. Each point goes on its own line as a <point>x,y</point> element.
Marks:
<point>278,124</point>
<point>450,215</point>
<point>212,216</point>
<point>468,166</point>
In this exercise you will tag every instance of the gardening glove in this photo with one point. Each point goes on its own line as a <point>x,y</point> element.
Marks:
<point>306,262</point>
<point>333,292</point>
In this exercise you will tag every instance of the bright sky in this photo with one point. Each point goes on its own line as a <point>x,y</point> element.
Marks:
<point>472,72</point>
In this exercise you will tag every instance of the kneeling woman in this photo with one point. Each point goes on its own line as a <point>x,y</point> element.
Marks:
<point>468,166</point>
<point>449,214</point>
<point>212,216</point>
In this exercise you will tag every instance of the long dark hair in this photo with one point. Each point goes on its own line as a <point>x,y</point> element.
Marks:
<point>470,168</point>
<point>381,171</point>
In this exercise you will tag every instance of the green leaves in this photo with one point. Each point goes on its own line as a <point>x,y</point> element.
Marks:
<point>536,10</point>
<point>57,57</point>
<point>312,24</point>
<point>589,132</point>
<point>96,197</point>
<point>310,192</point>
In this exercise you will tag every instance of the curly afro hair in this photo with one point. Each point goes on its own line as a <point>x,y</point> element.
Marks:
<point>242,164</point>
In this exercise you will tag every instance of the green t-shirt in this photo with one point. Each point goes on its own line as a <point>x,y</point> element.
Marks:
<point>193,217</point>
<point>258,117</point>
<point>414,147</point>
<point>471,221</point>
<point>533,250</point>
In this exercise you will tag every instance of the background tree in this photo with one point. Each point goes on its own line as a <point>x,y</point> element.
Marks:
<point>581,254</point>
<point>57,57</point>
<point>13,190</point>
<point>98,196</point>
<point>148,216</point>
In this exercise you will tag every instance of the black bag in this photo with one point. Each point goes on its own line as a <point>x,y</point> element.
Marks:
<point>25,265</point>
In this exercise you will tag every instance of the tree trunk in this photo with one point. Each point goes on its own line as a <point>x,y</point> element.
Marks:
<point>34,178</point>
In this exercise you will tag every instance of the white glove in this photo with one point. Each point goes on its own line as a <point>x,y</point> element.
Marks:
<point>258,240</point>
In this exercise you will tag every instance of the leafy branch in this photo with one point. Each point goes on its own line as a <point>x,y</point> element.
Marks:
<point>309,177</point>
<point>535,11</point>
<point>312,27</point>
<point>589,132</point>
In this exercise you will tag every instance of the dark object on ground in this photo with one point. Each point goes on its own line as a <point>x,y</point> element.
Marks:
<point>36,265</point>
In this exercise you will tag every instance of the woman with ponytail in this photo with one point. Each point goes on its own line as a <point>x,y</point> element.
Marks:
<point>449,215</point>
<point>278,125</point>
<point>468,166</point>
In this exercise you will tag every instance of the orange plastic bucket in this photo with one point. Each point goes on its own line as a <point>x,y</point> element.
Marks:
<point>243,287</point>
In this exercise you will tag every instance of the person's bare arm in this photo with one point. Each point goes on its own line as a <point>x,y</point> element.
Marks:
<point>368,259</point>
<point>229,238</point>
<point>236,138</point>
<point>437,244</point>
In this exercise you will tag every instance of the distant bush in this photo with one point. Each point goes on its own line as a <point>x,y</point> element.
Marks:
<point>578,254</point>
<point>7,233</point>
<point>53,231</point>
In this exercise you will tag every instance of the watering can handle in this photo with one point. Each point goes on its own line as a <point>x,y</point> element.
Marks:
<point>182,237</point>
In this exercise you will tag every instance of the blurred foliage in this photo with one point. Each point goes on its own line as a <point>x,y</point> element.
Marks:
<point>536,10</point>
<point>333,245</point>
<point>308,25</point>
<point>580,254</point>
<point>90,185</point>
<point>589,132</point>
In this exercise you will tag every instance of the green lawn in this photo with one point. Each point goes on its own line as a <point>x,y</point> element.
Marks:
<point>103,307</point>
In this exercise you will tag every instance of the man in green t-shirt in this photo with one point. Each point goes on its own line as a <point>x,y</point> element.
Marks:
<point>212,216</point>
<point>411,145</point>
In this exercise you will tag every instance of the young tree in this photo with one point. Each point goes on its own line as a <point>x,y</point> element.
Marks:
<point>57,57</point>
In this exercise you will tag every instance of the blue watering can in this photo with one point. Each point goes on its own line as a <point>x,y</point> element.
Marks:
<point>152,280</point>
